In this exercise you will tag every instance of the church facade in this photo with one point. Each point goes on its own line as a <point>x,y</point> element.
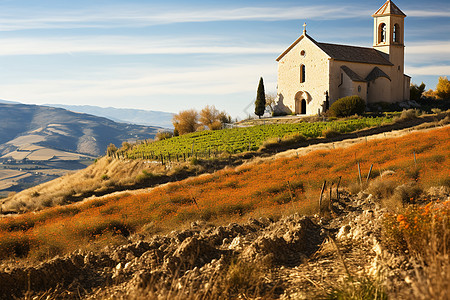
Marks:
<point>312,75</point>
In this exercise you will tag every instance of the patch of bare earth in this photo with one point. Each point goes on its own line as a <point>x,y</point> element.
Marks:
<point>292,258</point>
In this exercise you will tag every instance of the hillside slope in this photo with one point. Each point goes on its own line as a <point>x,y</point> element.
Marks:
<point>359,243</point>
<point>112,175</point>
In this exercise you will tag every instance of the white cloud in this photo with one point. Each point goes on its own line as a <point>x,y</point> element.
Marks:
<point>122,45</point>
<point>429,47</point>
<point>149,16</point>
<point>428,13</point>
<point>229,87</point>
<point>436,70</point>
<point>428,58</point>
<point>219,80</point>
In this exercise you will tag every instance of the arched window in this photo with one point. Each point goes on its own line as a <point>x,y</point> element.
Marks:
<point>396,34</point>
<point>302,74</point>
<point>382,33</point>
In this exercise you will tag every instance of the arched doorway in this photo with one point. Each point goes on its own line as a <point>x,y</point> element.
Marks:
<point>303,107</point>
<point>301,99</point>
<point>300,106</point>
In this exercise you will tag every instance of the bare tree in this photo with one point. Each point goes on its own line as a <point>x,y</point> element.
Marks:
<point>270,101</point>
<point>185,121</point>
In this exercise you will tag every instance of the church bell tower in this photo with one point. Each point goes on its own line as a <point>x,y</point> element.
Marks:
<point>389,36</point>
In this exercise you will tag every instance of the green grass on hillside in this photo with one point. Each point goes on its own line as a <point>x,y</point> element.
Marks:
<point>238,140</point>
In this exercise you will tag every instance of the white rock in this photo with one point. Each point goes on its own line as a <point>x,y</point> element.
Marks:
<point>127,265</point>
<point>236,243</point>
<point>344,232</point>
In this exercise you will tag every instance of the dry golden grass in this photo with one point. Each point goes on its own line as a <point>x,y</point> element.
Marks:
<point>230,195</point>
<point>105,175</point>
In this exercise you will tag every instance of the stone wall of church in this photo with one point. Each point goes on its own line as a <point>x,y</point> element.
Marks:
<point>376,91</point>
<point>347,87</point>
<point>406,87</point>
<point>397,73</point>
<point>316,79</point>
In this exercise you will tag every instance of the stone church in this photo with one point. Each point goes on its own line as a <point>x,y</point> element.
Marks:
<point>312,75</point>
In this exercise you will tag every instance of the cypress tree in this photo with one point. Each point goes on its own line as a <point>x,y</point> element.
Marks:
<point>260,103</point>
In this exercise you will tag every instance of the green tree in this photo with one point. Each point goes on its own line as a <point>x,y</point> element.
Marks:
<point>260,103</point>
<point>416,91</point>
<point>443,88</point>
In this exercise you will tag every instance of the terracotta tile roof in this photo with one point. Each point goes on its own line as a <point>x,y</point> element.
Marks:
<point>375,73</point>
<point>389,8</point>
<point>354,54</point>
<point>350,73</point>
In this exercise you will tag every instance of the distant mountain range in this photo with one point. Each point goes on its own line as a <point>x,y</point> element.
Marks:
<point>41,143</point>
<point>121,115</point>
<point>124,115</point>
<point>57,128</point>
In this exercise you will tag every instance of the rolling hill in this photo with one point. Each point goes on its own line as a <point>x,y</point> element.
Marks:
<point>61,129</point>
<point>42,143</point>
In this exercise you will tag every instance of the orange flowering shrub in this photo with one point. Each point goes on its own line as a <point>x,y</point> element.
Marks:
<point>418,228</point>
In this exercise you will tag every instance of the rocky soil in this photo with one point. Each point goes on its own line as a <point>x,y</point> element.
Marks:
<point>296,257</point>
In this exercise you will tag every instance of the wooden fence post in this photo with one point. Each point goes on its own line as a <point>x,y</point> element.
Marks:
<point>359,172</point>
<point>337,188</point>
<point>331,198</point>
<point>320,199</point>
<point>368,175</point>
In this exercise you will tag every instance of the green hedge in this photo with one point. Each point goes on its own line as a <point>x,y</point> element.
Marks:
<point>348,106</point>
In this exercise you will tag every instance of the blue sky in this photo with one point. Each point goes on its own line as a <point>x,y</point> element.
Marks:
<point>175,55</point>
